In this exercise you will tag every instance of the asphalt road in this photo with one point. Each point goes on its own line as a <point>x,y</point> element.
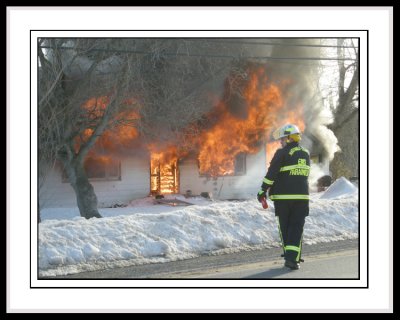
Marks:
<point>332,260</point>
<point>336,265</point>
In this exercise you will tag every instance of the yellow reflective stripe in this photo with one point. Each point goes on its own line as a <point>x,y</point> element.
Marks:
<point>295,166</point>
<point>280,234</point>
<point>265,180</point>
<point>301,245</point>
<point>293,150</point>
<point>289,197</point>
<point>293,248</point>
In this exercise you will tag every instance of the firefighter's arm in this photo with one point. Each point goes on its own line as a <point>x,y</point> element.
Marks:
<point>273,170</point>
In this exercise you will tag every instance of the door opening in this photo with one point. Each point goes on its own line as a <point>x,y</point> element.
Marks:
<point>164,175</point>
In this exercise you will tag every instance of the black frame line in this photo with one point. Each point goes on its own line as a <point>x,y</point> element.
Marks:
<point>211,287</point>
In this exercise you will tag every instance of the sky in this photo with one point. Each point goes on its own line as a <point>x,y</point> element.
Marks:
<point>148,232</point>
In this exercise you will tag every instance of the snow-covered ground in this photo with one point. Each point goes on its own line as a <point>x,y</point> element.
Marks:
<point>147,232</point>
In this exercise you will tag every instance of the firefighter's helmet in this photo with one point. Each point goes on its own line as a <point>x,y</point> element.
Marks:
<point>289,130</point>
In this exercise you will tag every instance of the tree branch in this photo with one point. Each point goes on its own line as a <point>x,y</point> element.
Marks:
<point>338,125</point>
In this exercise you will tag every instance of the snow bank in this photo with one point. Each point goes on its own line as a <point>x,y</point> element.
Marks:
<point>339,189</point>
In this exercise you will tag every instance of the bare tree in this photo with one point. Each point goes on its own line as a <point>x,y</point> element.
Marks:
<point>50,109</point>
<point>346,112</point>
<point>89,86</point>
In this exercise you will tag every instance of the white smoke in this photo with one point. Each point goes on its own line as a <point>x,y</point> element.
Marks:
<point>318,117</point>
<point>317,171</point>
<point>305,91</point>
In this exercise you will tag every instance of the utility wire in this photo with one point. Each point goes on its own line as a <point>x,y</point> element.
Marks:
<point>201,55</point>
<point>274,44</point>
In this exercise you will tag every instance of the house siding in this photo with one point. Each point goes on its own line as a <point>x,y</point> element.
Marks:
<point>225,187</point>
<point>134,184</point>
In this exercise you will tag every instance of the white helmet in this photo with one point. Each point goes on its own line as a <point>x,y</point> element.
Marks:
<point>285,131</point>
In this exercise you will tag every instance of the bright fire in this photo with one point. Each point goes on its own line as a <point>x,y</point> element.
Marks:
<point>119,137</point>
<point>232,134</point>
<point>238,124</point>
<point>164,170</point>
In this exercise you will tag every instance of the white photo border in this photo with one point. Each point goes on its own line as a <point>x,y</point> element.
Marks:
<point>25,23</point>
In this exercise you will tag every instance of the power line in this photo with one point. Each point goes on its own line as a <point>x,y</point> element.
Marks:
<point>276,44</point>
<point>201,55</point>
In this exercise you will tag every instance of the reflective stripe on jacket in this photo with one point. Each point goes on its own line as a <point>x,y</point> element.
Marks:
<point>287,176</point>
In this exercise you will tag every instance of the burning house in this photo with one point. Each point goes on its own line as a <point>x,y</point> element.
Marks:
<point>226,159</point>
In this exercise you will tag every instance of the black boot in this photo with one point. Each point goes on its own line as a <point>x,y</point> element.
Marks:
<point>293,265</point>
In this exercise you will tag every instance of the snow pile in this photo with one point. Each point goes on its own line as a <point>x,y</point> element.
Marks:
<point>151,232</point>
<point>339,189</point>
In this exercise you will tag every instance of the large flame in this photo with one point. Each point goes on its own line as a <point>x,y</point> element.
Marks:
<point>115,139</point>
<point>163,170</point>
<point>240,123</point>
<point>264,110</point>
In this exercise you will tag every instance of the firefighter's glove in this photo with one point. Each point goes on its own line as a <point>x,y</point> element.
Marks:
<point>261,194</point>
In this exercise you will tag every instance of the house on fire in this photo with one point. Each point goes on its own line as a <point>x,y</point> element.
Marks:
<point>119,181</point>
<point>229,155</point>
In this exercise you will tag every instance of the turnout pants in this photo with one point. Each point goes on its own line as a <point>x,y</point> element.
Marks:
<point>291,216</point>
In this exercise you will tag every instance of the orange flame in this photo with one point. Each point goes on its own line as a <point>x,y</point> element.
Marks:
<point>164,170</point>
<point>119,137</point>
<point>96,106</point>
<point>232,135</point>
<point>239,124</point>
<point>264,111</point>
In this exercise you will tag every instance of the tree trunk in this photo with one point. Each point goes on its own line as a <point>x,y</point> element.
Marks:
<point>85,195</point>
<point>345,125</point>
<point>345,163</point>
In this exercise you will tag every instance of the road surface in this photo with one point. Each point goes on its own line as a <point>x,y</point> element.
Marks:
<point>337,265</point>
<point>332,260</point>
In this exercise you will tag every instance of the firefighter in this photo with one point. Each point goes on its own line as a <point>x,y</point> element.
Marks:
<point>287,185</point>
